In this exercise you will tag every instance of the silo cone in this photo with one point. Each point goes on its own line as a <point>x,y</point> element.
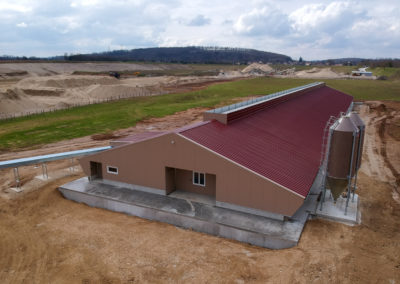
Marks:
<point>340,154</point>
<point>337,186</point>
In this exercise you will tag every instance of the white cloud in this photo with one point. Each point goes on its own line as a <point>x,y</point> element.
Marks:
<point>199,20</point>
<point>14,7</point>
<point>21,25</point>
<point>84,3</point>
<point>320,16</point>
<point>266,20</point>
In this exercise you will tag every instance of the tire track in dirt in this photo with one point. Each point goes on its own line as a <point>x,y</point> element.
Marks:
<point>377,164</point>
<point>23,254</point>
<point>376,116</point>
<point>384,138</point>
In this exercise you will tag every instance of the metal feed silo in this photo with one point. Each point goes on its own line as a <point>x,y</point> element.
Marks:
<point>360,145</point>
<point>343,145</point>
<point>361,127</point>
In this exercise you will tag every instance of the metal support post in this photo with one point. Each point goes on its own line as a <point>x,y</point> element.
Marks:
<point>71,168</point>
<point>324,191</point>
<point>354,186</point>
<point>17,179</point>
<point>350,172</point>
<point>362,133</point>
<point>44,171</point>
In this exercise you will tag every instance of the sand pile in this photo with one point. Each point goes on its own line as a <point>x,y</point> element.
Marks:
<point>16,100</point>
<point>42,93</point>
<point>324,73</point>
<point>103,92</point>
<point>80,81</point>
<point>48,69</point>
<point>66,81</point>
<point>38,87</point>
<point>257,68</point>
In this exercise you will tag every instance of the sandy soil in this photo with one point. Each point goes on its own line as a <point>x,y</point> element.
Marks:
<point>45,93</point>
<point>324,73</point>
<point>35,87</point>
<point>45,238</point>
<point>47,69</point>
<point>257,67</point>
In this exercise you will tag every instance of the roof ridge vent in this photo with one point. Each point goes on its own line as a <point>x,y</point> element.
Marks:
<point>231,112</point>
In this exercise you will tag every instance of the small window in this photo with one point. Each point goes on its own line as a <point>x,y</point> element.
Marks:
<point>199,178</point>
<point>112,170</point>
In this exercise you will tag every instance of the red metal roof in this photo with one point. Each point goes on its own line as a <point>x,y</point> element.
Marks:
<point>281,143</point>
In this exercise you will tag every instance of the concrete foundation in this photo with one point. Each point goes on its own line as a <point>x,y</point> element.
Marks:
<point>234,207</point>
<point>335,212</point>
<point>41,177</point>
<point>16,189</point>
<point>191,213</point>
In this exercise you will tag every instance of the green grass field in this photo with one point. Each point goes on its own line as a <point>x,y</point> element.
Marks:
<point>37,130</point>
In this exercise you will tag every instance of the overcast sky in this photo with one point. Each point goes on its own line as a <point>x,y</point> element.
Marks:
<point>311,29</point>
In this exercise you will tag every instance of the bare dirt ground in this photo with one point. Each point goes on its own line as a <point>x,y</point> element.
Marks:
<point>35,87</point>
<point>46,93</point>
<point>45,238</point>
<point>324,73</point>
<point>8,70</point>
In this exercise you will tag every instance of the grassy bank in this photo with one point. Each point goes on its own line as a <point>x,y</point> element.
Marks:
<point>101,118</point>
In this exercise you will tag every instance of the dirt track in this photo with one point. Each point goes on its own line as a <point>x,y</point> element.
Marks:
<point>47,239</point>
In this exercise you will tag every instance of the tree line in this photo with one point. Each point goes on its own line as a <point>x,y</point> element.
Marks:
<point>206,55</point>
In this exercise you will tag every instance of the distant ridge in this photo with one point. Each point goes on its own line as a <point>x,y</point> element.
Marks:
<point>192,54</point>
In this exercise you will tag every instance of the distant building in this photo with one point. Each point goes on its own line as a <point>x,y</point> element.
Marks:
<point>361,72</point>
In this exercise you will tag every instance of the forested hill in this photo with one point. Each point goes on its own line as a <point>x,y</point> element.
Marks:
<point>185,55</point>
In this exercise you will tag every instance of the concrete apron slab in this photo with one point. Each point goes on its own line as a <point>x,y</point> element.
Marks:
<point>335,212</point>
<point>201,217</point>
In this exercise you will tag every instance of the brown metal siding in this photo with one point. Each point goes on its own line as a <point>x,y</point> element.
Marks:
<point>221,117</point>
<point>144,164</point>
<point>169,180</point>
<point>184,181</point>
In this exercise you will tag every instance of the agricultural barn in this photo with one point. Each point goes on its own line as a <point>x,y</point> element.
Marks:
<point>260,156</point>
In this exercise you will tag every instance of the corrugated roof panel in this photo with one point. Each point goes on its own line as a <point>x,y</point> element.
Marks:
<point>281,143</point>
